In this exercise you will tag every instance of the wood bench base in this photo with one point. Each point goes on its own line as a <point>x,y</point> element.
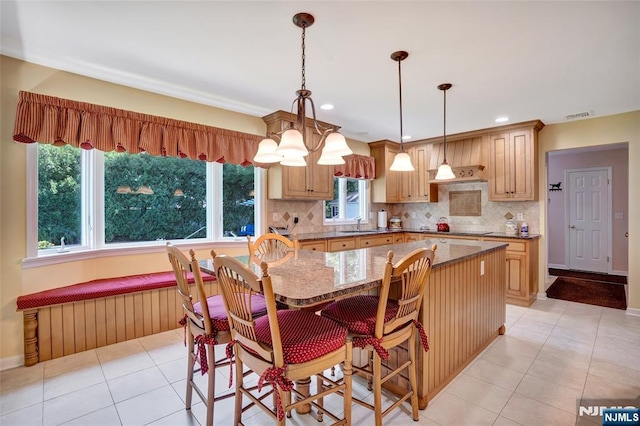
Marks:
<point>64,329</point>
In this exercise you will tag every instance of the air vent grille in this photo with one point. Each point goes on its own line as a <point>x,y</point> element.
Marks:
<point>577,115</point>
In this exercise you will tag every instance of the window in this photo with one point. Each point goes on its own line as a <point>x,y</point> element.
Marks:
<point>349,202</point>
<point>89,200</point>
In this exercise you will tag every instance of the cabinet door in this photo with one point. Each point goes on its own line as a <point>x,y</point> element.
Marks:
<point>517,275</point>
<point>522,163</point>
<point>319,178</point>
<point>513,167</point>
<point>294,181</point>
<point>500,184</point>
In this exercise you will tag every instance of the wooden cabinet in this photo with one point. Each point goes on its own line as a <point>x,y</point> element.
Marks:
<point>521,266</point>
<point>521,270</point>
<point>317,245</point>
<point>379,240</point>
<point>313,182</point>
<point>514,164</point>
<point>339,244</point>
<point>402,187</point>
<point>385,188</point>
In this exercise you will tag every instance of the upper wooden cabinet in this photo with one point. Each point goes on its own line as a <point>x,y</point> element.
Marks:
<point>401,187</point>
<point>313,182</point>
<point>467,157</point>
<point>514,164</point>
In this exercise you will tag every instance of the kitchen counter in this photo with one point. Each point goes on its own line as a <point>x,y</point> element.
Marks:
<point>310,236</point>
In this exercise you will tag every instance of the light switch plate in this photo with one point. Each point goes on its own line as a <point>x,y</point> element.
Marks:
<point>619,215</point>
<point>520,216</point>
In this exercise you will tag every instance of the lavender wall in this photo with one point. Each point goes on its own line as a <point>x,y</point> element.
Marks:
<point>558,162</point>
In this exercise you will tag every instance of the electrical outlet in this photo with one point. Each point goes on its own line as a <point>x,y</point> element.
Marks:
<point>413,215</point>
<point>482,267</point>
<point>275,217</point>
<point>295,218</point>
<point>520,216</point>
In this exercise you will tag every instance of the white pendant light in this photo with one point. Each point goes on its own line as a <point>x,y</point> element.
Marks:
<point>402,161</point>
<point>444,170</point>
<point>267,152</point>
<point>292,144</point>
<point>336,144</point>
<point>329,159</point>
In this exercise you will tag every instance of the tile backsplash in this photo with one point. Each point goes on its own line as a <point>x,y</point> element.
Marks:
<point>493,214</point>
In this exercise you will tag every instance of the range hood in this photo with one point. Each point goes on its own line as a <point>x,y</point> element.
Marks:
<point>463,174</point>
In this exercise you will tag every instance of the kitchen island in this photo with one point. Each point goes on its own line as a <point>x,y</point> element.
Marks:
<point>462,312</point>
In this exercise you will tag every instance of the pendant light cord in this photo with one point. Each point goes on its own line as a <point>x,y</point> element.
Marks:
<point>400,91</point>
<point>304,77</point>
<point>445,126</point>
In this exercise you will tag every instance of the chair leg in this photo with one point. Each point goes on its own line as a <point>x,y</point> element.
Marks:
<point>413,377</point>
<point>347,372</point>
<point>190,366</point>
<point>320,401</point>
<point>211,381</point>
<point>377,388</point>
<point>370,368</point>
<point>239,377</point>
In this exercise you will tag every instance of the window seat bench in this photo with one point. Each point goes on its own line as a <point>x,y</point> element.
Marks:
<point>83,316</point>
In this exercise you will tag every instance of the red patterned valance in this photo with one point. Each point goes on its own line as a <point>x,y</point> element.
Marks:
<point>357,167</point>
<point>51,120</point>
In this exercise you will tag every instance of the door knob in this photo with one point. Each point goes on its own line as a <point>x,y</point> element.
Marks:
<point>572,227</point>
<point>626,234</point>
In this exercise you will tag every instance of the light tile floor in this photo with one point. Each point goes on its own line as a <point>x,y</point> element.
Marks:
<point>553,353</point>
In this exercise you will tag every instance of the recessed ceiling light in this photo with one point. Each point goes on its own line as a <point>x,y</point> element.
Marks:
<point>502,119</point>
<point>326,107</point>
<point>406,137</point>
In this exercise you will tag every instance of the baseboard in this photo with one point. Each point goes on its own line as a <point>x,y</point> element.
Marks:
<point>621,273</point>
<point>633,311</point>
<point>556,266</point>
<point>11,362</point>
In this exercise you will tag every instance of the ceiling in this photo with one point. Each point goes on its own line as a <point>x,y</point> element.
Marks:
<point>524,59</point>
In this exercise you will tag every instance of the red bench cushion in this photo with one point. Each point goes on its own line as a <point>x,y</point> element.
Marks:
<point>101,288</point>
<point>358,313</point>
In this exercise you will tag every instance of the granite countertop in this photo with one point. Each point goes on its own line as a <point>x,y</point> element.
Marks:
<point>304,278</point>
<point>309,236</point>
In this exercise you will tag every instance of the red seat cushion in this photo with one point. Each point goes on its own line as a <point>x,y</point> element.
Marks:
<point>219,315</point>
<point>358,313</point>
<point>305,335</point>
<point>101,288</point>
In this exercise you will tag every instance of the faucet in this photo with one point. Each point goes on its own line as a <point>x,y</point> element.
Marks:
<point>358,218</point>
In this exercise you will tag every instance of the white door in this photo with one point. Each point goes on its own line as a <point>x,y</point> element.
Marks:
<point>589,219</point>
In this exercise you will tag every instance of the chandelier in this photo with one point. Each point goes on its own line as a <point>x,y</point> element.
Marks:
<point>294,144</point>
<point>444,170</point>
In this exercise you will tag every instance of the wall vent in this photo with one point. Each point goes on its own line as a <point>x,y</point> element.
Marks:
<point>577,115</point>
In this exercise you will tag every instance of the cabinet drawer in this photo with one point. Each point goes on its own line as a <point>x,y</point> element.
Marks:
<point>341,244</point>
<point>514,246</point>
<point>313,245</point>
<point>378,240</point>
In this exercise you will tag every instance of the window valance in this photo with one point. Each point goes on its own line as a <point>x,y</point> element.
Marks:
<point>57,121</point>
<point>357,167</point>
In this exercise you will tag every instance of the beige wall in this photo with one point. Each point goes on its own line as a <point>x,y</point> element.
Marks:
<point>598,131</point>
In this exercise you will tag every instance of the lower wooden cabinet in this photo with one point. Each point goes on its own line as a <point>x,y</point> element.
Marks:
<point>318,245</point>
<point>522,270</point>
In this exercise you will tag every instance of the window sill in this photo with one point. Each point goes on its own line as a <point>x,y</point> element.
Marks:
<point>56,258</point>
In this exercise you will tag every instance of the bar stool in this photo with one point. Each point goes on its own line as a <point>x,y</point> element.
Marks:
<point>281,347</point>
<point>378,324</point>
<point>206,325</point>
